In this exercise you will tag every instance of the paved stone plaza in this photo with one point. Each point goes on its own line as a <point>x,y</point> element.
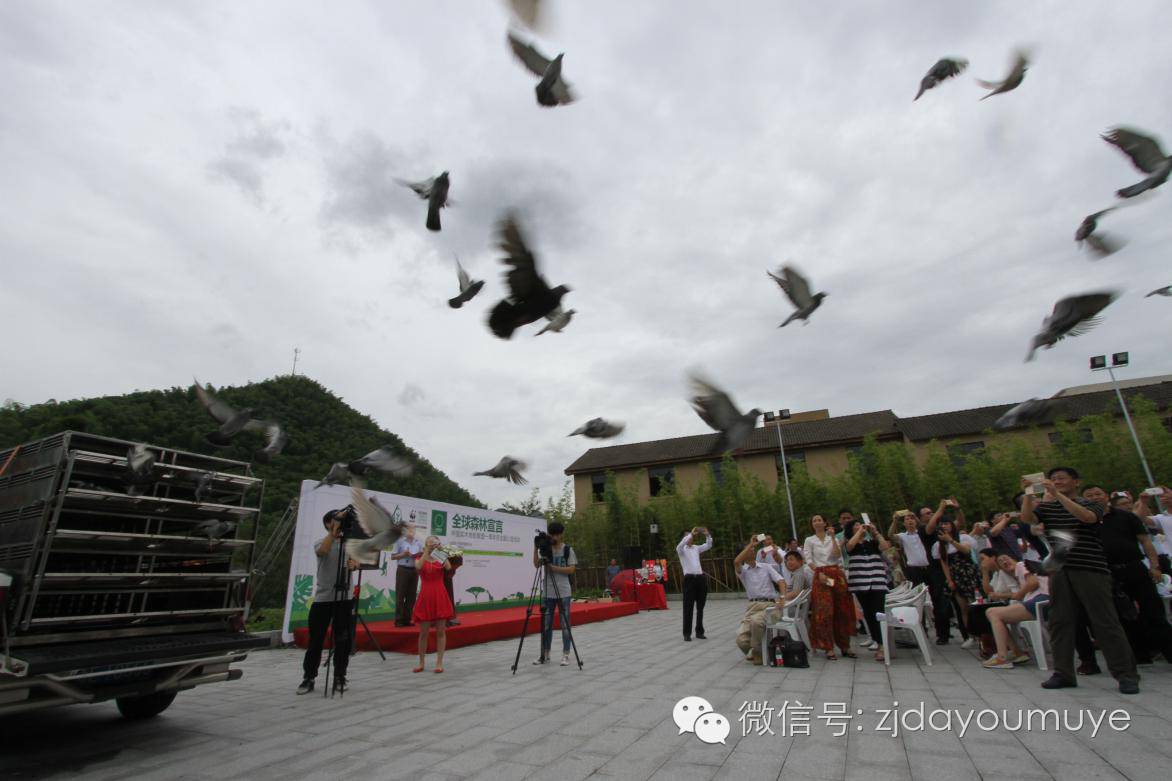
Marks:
<point>612,719</point>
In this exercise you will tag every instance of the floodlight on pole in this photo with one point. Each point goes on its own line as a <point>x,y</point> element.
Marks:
<point>776,419</point>
<point>1119,360</point>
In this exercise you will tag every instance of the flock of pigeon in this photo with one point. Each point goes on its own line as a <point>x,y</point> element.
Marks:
<point>530,298</point>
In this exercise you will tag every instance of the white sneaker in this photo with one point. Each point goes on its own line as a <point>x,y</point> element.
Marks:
<point>968,643</point>
<point>565,660</point>
<point>872,646</point>
<point>540,660</point>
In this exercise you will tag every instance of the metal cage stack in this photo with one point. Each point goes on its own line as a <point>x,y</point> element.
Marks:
<point>91,559</point>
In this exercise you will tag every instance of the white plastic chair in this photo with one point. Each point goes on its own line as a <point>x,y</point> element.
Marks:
<point>899,592</point>
<point>908,615</point>
<point>1036,634</point>
<point>792,621</point>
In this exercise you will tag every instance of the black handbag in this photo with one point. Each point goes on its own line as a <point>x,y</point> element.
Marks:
<point>794,654</point>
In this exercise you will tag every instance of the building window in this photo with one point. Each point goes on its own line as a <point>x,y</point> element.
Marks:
<point>854,451</point>
<point>959,452</point>
<point>1082,435</point>
<point>717,471</point>
<point>791,457</point>
<point>597,486</point>
<point>661,478</point>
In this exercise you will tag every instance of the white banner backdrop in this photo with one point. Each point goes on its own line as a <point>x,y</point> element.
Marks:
<point>498,553</point>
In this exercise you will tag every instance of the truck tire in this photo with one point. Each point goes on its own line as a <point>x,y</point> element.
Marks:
<point>145,706</point>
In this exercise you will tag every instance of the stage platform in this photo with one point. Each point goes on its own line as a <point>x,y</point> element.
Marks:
<point>478,626</point>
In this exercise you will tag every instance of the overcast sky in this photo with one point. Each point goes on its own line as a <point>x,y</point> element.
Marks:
<point>199,188</point>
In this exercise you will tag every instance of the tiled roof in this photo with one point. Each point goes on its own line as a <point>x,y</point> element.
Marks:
<point>850,429</point>
<point>975,421</point>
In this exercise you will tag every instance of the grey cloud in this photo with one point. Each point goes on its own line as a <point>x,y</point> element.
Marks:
<point>256,142</point>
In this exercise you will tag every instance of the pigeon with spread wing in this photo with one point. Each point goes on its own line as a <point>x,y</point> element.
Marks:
<point>716,409</point>
<point>1017,72</point>
<point>468,287</point>
<point>797,289</point>
<point>552,90</point>
<point>944,68</point>
<point>435,192</point>
<point>1072,316</point>
<point>1146,154</point>
<point>508,468</point>
<point>530,296</point>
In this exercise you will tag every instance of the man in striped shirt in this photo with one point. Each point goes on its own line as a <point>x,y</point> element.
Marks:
<point>1083,582</point>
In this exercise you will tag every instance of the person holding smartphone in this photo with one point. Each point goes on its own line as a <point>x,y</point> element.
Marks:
<point>695,585</point>
<point>866,572</point>
<point>433,606</point>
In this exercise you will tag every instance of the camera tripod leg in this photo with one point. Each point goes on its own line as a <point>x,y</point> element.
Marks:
<point>528,614</point>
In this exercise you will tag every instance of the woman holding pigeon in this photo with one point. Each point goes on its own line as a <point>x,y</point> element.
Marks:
<point>433,605</point>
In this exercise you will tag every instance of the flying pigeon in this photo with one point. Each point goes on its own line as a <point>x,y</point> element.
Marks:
<point>1022,414</point>
<point>1146,154</point>
<point>382,529</point>
<point>468,287</point>
<point>945,68</point>
<point>203,485</point>
<point>530,296</point>
<point>140,469</point>
<point>275,439</point>
<point>1160,291</point>
<point>1016,74</point>
<point>384,460</point>
<point>717,410</point>
<point>509,468</point>
<point>435,192</point>
<point>1101,244</point>
<point>797,289</point>
<point>233,421</point>
<point>1072,316</point>
<point>1061,541</point>
<point>558,319</point>
<point>597,428</point>
<point>552,90</point>
<point>528,12</point>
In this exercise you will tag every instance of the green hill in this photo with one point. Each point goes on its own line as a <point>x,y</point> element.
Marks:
<point>322,429</point>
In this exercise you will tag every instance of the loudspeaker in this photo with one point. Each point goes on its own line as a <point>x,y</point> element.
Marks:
<point>632,557</point>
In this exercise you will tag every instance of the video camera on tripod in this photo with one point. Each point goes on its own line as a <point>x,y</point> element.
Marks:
<point>347,519</point>
<point>544,544</point>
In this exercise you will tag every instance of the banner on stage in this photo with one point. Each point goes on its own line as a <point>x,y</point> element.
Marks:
<point>498,553</point>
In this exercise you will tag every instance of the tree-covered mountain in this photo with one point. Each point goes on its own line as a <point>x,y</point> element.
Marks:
<point>322,429</point>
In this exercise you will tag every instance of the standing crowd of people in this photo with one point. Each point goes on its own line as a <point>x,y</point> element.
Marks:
<point>1092,565</point>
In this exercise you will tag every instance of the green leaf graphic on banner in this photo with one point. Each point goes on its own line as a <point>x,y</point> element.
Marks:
<point>302,591</point>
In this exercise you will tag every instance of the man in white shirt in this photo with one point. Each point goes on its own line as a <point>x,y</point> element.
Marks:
<point>405,550</point>
<point>1158,523</point>
<point>695,585</point>
<point>760,583</point>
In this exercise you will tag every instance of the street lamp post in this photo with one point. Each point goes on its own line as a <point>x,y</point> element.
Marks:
<point>770,417</point>
<point>1099,363</point>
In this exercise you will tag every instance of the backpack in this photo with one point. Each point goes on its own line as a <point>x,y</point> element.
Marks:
<point>786,652</point>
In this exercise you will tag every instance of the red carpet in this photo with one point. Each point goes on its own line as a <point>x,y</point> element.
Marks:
<point>478,626</point>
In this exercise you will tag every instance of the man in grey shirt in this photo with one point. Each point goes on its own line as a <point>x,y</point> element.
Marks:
<point>556,591</point>
<point>331,605</point>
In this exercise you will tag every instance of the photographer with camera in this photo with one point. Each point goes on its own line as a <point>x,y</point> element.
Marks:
<point>331,601</point>
<point>560,563</point>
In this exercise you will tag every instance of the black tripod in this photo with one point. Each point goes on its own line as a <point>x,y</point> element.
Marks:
<point>538,578</point>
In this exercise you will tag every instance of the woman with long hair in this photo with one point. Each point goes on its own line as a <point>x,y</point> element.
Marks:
<point>432,605</point>
<point>832,614</point>
<point>955,551</point>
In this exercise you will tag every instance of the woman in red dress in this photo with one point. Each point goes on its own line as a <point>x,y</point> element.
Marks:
<point>433,605</point>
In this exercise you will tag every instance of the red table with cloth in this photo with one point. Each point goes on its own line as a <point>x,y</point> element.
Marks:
<point>650,596</point>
